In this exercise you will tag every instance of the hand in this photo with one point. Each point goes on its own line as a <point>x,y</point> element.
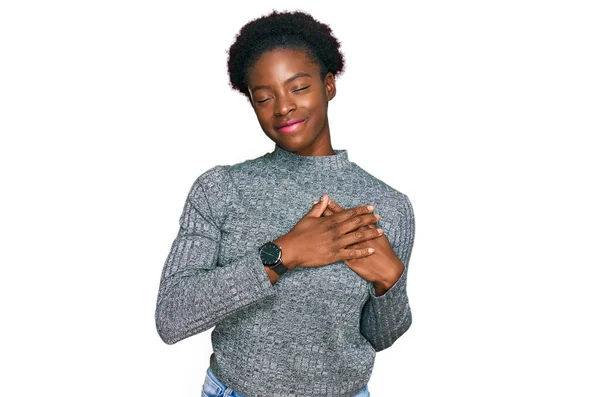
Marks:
<point>383,267</point>
<point>317,240</point>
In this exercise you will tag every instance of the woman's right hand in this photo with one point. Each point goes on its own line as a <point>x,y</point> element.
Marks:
<point>317,240</point>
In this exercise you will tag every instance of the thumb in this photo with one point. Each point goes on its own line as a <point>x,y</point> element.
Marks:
<point>318,209</point>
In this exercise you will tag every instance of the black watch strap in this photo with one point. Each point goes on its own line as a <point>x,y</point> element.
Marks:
<point>279,268</point>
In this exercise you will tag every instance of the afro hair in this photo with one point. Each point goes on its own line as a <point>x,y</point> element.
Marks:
<point>287,30</point>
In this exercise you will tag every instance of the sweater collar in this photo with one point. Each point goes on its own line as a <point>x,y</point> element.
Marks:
<point>296,162</point>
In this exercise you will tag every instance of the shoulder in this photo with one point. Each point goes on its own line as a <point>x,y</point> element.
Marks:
<point>214,174</point>
<point>223,177</point>
<point>217,186</point>
<point>391,203</point>
<point>213,180</point>
<point>211,191</point>
<point>247,171</point>
<point>378,186</point>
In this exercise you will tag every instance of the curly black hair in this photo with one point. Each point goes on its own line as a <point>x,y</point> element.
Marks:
<point>289,30</point>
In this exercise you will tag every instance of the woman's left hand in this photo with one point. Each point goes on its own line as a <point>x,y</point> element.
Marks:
<point>383,268</point>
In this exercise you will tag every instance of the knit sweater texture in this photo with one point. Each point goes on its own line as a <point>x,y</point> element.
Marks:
<point>315,332</point>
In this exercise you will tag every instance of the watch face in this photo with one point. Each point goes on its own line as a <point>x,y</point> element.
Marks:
<point>270,253</point>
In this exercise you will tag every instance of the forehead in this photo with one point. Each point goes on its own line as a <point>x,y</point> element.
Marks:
<point>278,65</point>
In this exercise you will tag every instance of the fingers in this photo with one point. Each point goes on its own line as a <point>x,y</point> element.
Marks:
<point>328,210</point>
<point>318,209</point>
<point>350,227</point>
<point>354,223</point>
<point>342,216</point>
<point>338,208</point>
<point>354,253</point>
<point>353,239</point>
<point>334,208</point>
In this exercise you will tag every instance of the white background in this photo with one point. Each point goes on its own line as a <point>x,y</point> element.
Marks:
<point>484,113</point>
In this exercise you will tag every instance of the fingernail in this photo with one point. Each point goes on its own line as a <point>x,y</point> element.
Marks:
<point>370,250</point>
<point>370,207</point>
<point>315,202</point>
<point>380,230</point>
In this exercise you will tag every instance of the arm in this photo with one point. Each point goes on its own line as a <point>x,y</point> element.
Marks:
<point>386,317</point>
<point>195,292</point>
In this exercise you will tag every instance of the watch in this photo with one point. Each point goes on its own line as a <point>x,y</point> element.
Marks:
<point>270,254</point>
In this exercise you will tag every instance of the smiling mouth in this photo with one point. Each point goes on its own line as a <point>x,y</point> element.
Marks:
<point>291,127</point>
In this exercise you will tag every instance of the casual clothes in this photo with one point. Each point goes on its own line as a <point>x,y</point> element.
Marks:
<point>315,331</point>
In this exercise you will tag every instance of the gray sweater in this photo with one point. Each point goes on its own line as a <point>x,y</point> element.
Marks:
<point>316,330</point>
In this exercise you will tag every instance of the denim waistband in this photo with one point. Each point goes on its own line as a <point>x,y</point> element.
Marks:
<point>213,387</point>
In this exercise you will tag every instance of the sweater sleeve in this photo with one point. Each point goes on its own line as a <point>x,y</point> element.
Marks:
<point>196,291</point>
<point>386,317</point>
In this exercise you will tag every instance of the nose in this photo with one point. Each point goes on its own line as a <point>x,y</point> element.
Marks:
<point>284,105</point>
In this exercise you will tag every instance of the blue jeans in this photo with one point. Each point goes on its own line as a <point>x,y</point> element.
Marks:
<point>213,387</point>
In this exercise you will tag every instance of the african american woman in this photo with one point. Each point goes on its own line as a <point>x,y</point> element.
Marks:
<point>297,258</point>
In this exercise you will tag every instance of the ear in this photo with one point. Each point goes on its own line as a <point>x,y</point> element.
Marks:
<point>329,83</point>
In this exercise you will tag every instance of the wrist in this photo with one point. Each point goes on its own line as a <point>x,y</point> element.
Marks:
<point>288,258</point>
<point>379,290</point>
<point>389,279</point>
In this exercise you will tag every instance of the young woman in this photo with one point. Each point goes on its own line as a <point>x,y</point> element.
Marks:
<point>299,303</point>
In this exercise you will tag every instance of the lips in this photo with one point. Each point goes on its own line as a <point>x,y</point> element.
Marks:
<point>290,125</point>
<point>288,122</point>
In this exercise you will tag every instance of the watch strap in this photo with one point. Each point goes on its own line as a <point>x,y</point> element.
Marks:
<point>279,268</point>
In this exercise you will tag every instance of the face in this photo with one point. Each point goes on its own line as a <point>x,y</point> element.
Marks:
<point>285,86</point>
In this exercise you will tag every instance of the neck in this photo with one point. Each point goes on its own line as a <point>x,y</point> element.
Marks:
<point>291,161</point>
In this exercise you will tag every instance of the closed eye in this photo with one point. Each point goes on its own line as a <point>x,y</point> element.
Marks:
<point>300,89</point>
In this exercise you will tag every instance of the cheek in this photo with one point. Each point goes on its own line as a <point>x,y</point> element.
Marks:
<point>314,106</point>
<point>314,101</point>
<point>263,117</point>
<point>317,113</point>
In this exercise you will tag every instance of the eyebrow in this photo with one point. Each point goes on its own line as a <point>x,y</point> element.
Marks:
<point>300,74</point>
